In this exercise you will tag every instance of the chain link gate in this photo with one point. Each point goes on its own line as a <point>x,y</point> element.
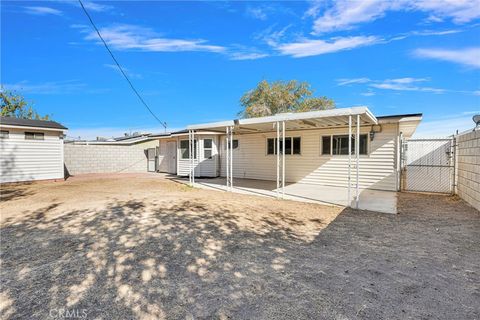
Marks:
<point>428,165</point>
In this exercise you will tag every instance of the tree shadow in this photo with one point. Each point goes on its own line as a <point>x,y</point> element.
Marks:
<point>137,260</point>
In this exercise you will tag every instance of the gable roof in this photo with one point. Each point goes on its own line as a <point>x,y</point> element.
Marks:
<point>11,121</point>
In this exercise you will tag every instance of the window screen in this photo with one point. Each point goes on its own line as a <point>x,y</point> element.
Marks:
<point>3,134</point>
<point>292,145</point>
<point>235,144</point>
<point>340,144</point>
<point>271,146</point>
<point>207,148</point>
<point>34,136</point>
<point>326,143</point>
<point>184,150</point>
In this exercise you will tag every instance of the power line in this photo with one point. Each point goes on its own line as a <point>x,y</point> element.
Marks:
<point>164,124</point>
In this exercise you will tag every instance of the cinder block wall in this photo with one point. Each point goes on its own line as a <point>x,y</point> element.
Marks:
<point>81,158</point>
<point>468,164</point>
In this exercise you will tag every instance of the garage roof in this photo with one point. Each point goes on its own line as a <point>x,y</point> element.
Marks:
<point>17,122</point>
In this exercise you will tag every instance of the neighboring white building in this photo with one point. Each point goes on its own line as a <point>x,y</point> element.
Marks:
<point>316,148</point>
<point>30,150</point>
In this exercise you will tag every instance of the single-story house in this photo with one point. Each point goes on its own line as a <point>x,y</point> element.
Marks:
<point>30,150</point>
<point>316,152</point>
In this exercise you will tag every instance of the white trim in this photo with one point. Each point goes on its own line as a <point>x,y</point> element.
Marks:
<point>290,116</point>
<point>31,128</point>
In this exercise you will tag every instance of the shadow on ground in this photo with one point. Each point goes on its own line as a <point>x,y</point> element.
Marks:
<point>188,260</point>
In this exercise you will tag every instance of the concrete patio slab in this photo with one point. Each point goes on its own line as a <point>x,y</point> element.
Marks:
<point>373,200</point>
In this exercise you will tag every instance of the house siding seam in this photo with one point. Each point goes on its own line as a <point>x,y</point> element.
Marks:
<point>377,170</point>
<point>26,160</point>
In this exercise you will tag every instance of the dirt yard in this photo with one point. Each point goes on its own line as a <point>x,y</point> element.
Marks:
<point>139,246</point>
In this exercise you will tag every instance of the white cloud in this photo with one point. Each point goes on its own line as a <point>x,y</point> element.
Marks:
<point>52,87</point>
<point>89,5</point>
<point>313,47</point>
<point>347,14</point>
<point>397,84</point>
<point>247,55</point>
<point>469,56</point>
<point>130,37</point>
<point>343,82</point>
<point>257,13</point>
<point>42,11</point>
<point>369,93</point>
<point>127,71</point>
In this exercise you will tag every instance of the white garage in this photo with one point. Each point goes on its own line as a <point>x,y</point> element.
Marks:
<point>30,150</point>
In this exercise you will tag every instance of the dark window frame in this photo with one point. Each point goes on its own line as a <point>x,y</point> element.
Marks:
<point>29,135</point>
<point>208,149</point>
<point>292,148</point>
<point>343,151</point>
<point>4,134</point>
<point>236,144</point>
<point>186,151</point>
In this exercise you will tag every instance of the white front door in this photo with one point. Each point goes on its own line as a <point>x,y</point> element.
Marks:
<point>171,156</point>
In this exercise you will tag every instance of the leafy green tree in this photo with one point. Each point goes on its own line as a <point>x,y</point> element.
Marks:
<point>281,96</point>
<point>14,105</point>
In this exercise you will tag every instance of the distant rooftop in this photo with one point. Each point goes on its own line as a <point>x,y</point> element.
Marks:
<point>31,123</point>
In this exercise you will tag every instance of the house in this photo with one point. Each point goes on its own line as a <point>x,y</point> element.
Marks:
<point>30,150</point>
<point>316,153</point>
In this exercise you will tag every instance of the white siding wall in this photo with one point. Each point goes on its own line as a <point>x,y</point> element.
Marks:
<point>26,160</point>
<point>203,167</point>
<point>377,169</point>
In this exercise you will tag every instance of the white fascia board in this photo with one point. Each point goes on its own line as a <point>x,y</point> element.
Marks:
<point>7,126</point>
<point>210,125</point>
<point>290,116</point>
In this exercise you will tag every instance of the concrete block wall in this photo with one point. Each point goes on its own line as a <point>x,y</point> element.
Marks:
<point>95,158</point>
<point>468,167</point>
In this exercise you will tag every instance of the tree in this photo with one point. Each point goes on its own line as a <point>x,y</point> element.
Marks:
<point>14,105</point>
<point>281,96</point>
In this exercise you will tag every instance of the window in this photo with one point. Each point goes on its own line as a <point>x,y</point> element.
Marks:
<point>338,144</point>
<point>326,143</point>
<point>235,144</point>
<point>34,136</point>
<point>3,134</point>
<point>292,145</point>
<point>207,148</point>
<point>184,149</point>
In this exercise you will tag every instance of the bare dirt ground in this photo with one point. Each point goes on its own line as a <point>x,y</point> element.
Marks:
<point>137,246</point>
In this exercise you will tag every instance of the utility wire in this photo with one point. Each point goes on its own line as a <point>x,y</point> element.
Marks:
<point>164,124</point>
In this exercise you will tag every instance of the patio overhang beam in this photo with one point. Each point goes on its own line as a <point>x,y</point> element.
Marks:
<point>313,119</point>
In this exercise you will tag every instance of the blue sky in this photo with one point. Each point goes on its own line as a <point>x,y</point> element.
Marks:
<point>192,61</point>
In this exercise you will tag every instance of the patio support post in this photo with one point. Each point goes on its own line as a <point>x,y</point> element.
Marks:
<point>278,157</point>
<point>227,169</point>
<point>349,160</point>
<point>231,158</point>
<point>283,159</point>
<point>190,157</point>
<point>194,154</point>
<point>357,153</point>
